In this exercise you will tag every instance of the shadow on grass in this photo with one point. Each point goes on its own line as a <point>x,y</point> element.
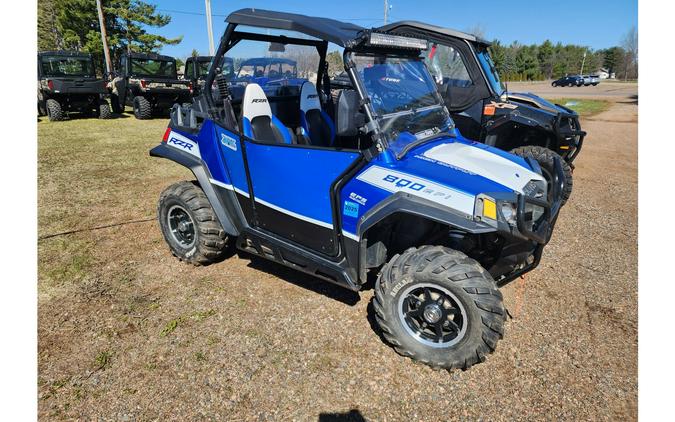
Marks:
<point>300,279</point>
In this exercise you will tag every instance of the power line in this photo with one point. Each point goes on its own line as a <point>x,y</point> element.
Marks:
<point>184,12</point>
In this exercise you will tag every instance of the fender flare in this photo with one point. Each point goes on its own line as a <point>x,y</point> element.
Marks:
<point>203,176</point>
<point>405,203</point>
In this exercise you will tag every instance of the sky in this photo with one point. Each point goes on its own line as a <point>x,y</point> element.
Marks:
<point>596,24</point>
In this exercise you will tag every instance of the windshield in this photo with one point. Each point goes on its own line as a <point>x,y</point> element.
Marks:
<point>403,95</point>
<point>67,66</point>
<point>490,71</point>
<point>152,67</point>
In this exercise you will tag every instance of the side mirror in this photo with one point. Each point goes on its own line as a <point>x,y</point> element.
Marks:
<point>348,118</point>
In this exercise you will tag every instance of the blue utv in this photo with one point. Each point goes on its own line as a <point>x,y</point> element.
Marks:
<point>376,181</point>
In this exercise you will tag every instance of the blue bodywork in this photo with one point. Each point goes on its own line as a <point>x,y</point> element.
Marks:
<point>297,181</point>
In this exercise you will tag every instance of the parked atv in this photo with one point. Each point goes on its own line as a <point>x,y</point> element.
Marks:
<point>197,67</point>
<point>67,82</point>
<point>149,83</point>
<point>387,187</point>
<point>483,110</point>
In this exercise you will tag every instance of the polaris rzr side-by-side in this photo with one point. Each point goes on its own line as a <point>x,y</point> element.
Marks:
<point>197,67</point>
<point>149,83</point>
<point>380,182</point>
<point>67,82</point>
<point>484,110</point>
<point>268,70</point>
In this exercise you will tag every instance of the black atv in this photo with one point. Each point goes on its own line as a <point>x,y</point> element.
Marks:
<point>483,110</point>
<point>149,83</point>
<point>197,67</point>
<point>67,82</point>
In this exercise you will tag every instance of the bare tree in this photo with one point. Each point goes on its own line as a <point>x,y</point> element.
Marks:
<point>630,45</point>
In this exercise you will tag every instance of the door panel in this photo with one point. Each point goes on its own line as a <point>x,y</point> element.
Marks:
<point>230,147</point>
<point>291,186</point>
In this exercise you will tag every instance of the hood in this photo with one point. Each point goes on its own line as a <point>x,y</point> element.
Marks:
<point>483,163</point>
<point>529,99</point>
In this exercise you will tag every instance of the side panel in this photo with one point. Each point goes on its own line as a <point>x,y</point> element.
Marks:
<point>292,191</point>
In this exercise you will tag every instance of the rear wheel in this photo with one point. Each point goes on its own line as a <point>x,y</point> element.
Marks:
<point>142,108</point>
<point>104,110</point>
<point>189,224</point>
<point>554,84</point>
<point>440,307</point>
<point>546,159</point>
<point>54,111</point>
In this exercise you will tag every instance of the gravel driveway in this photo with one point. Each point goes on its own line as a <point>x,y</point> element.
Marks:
<point>126,332</point>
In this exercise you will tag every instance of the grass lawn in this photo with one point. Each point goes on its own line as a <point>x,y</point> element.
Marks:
<point>585,108</point>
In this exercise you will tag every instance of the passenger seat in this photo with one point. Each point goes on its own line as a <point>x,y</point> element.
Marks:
<point>258,122</point>
<point>316,124</point>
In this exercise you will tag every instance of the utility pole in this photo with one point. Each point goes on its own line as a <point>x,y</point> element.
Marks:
<point>386,10</point>
<point>209,27</point>
<point>582,64</point>
<point>104,37</point>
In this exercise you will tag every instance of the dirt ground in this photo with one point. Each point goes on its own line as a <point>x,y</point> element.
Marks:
<point>126,332</point>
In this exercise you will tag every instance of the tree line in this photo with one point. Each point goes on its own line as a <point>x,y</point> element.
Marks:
<point>74,25</point>
<point>518,62</point>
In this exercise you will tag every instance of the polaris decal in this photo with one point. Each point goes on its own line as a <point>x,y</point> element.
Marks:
<point>395,181</point>
<point>351,209</point>
<point>228,142</point>
<point>444,164</point>
<point>183,143</point>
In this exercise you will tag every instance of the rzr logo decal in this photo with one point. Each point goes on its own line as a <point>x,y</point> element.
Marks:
<point>259,100</point>
<point>312,96</point>
<point>185,145</point>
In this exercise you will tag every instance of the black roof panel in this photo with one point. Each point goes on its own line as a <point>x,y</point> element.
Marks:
<point>401,26</point>
<point>63,53</point>
<point>149,56</point>
<point>331,30</point>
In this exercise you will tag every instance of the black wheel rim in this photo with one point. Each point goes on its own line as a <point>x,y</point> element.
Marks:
<point>432,315</point>
<point>181,226</point>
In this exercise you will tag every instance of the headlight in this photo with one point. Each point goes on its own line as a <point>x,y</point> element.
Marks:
<point>508,211</point>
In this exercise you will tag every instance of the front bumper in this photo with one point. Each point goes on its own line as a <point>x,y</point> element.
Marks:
<point>569,135</point>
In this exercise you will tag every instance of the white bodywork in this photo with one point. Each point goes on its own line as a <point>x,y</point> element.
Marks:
<point>484,163</point>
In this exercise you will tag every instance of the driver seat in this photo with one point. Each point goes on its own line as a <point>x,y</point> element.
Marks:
<point>257,120</point>
<point>315,123</point>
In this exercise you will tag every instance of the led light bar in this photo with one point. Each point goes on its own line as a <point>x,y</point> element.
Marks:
<point>386,40</point>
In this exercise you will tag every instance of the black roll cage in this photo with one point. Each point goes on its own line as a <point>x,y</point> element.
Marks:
<point>231,38</point>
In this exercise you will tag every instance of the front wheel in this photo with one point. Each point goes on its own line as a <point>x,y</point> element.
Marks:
<point>554,84</point>
<point>189,224</point>
<point>440,307</point>
<point>546,159</point>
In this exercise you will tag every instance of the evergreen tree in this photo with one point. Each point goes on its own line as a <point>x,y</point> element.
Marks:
<point>74,25</point>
